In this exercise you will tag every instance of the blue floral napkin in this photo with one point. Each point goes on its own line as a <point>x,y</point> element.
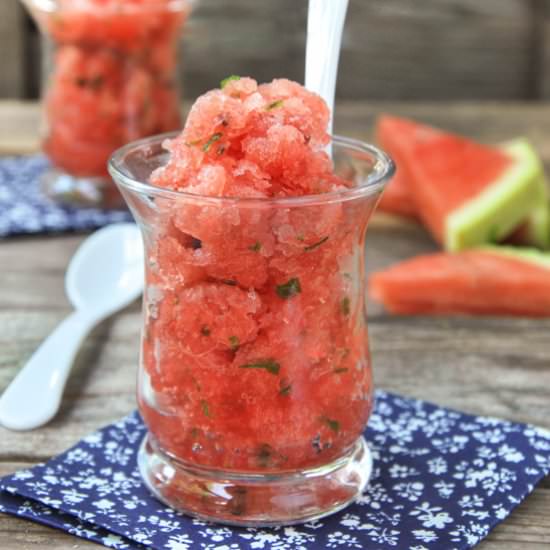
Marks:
<point>442,479</point>
<point>24,209</point>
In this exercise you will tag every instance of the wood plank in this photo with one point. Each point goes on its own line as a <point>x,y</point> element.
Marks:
<point>446,49</point>
<point>542,29</point>
<point>12,32</point>
<point>451,49</point>
<point>19,127</point>
<point>490,121</point>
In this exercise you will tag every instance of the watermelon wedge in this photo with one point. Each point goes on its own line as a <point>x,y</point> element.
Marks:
<point>467,194</point>
<point>397,198</point>
<point>535,231</point>
<point>492,280</point>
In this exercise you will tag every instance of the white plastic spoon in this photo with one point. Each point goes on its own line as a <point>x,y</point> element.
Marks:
<point>104,276</point>
<point>325,26</point>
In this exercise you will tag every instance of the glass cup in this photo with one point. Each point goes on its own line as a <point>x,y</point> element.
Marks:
<point>255,376</point>
<point>110,77</point>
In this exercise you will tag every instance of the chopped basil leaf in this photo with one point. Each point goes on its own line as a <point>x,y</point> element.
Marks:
<point>289,289</point>
<point>234,343</point>
<point>265,453</point>
<point>334,425</point>
<point>196,243</point>
<point>317,244</point>
<point>286,387</point>
<point>196,432</point>
<point>345,305</point>
<point>193,143</point>
<point>275,105</point>
<point>205,408</point>
<point>205,330</point>
<point>211,141</point>
<point>340,370</point>
<point>229,79</point>
<point>269,365</point>
<point>229,282</point>
<point>256,247</point>
<point>94,83</point>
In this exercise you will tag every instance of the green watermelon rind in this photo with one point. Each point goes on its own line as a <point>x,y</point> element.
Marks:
<point>538,227</point>
<point>538,222</point>
<point>502,206</point>
<point>524,254</point>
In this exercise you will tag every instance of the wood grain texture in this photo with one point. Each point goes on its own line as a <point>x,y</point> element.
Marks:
<point>488,366</point>
<point>12,36</point>
<point>393,49</point>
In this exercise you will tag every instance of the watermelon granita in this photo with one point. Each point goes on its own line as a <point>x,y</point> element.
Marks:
<point>255,353</point>
<point>113,76</point>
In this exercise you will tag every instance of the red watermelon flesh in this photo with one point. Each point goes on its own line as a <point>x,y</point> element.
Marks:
<point>487,281</point>
<point>112,79</point>
<point>397,199</point>
<point>466,193</point>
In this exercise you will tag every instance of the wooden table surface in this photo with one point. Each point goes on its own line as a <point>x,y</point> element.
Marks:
<point>487,366</point>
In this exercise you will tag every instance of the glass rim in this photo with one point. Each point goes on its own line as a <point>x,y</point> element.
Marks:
<point>382,172</point>
<point>52,6</point>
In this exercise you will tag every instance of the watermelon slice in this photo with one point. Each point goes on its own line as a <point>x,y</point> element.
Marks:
<point>467,194</point>
<point>535,231</point>
<point>492,280</point>
<point>397,198</point>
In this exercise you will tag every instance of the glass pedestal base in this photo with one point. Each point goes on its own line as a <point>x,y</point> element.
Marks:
<point>255,500</point>
<point>87,192</point>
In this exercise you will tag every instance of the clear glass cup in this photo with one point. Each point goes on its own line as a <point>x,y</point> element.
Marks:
<point>110,77</point>
<point>255,376</point>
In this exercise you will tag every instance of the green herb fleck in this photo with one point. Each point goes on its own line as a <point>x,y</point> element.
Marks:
<point>286,387</point>
<point>234,343</point>
<point>205,408</point>
<point>205,330</point>
<point>315,245</point>
<point>270,365</point>
<point>345,305</point>
<point>256,247</point>
<point>340,370</point>
<point>211,141</point>
<point>289,289</point>
<point>300,237</point>
<point>334,425</point>
<point>265,453</point>
<point>196,432</point>
<point>94,83</point>
<point>193,143</point>
<point>229,79</point>
<point>275,105</point>
<point>230,282</point>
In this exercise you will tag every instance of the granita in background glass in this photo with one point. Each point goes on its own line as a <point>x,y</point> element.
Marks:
<point>255,377</point>
<point>110,77</point>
